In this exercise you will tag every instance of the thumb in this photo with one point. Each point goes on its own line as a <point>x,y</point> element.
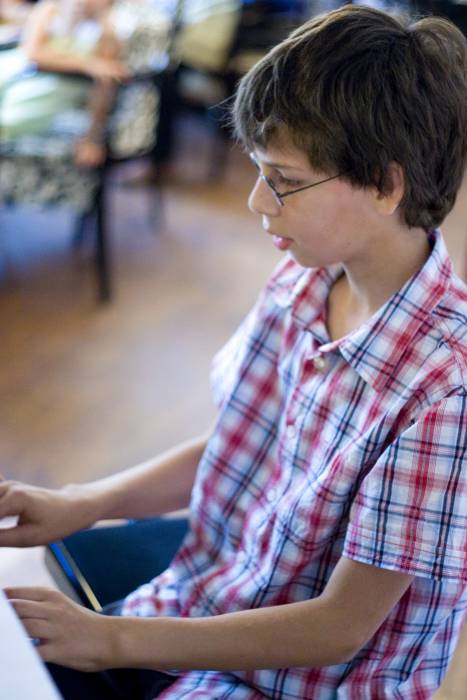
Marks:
<point>18,536</point>
<point>11,503</point>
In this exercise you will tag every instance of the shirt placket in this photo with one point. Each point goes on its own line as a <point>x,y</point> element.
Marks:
<point>313,366</point>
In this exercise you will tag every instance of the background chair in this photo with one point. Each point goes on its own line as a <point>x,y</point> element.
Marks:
<point>40,169</point>
<point>218,42</point>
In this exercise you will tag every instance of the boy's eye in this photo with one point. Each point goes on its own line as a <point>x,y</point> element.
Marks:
<point>287,182</point>
<point>277,179</point>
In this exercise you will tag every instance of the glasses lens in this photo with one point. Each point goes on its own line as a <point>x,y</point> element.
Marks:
<point>272,187</point>
<point>267,180</point>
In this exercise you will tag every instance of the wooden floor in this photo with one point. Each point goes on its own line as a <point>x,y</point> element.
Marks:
<point>88,390</point>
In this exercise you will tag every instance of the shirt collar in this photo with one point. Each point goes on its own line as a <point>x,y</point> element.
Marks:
<point>306,290</point>
<point>374,349</point>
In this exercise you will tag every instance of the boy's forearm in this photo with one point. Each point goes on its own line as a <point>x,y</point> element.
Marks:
<point>301,634</point>
<point>160,485</point>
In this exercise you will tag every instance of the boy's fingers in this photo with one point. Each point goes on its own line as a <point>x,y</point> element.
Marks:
<point>46,652</point>
<point>9,537</point>
<point>30,609</point>
<point>10,503</point>
<point>36,593</point>
<point>11,506</point>
<point>19,536</point>
<point>4,485</point>
<point>37,629</point>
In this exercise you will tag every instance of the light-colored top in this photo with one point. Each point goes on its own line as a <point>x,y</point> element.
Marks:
<point>322,449</point>
<point>29,105</point>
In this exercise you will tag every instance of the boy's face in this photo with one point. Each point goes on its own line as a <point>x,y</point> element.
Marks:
<point>330,223</point>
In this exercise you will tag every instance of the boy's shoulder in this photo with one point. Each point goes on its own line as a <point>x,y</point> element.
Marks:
<point>428,357</point>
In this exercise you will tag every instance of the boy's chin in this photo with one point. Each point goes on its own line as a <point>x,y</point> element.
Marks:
<point>302,259</point>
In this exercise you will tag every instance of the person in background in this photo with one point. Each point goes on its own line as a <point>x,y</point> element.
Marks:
<point>64,37</point>
<point>326,554</point>
<point>13,15</point>
<point>14,11</point>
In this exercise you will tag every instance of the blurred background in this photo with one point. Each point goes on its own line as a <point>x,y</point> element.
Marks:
<point>119,280</point>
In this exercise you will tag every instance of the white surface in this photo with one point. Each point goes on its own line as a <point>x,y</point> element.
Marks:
<point>22,567</point>
<point>22,674</point>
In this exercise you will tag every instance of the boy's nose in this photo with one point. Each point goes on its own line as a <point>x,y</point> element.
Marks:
<point>262,200</point>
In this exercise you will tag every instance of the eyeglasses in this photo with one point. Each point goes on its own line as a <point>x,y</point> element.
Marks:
<point>279,196</point>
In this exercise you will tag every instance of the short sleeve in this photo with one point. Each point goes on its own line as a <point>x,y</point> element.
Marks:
<point>410,512</point>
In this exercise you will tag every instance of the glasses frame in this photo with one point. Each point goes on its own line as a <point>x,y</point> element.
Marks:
<point>279,196</point>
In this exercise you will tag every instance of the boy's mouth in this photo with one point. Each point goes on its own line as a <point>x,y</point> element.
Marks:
<point>282,243</point>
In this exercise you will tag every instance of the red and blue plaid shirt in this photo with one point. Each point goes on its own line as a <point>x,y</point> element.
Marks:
<point>354,448</point>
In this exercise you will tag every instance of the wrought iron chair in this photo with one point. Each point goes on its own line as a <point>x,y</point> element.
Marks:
<point>40,169</point>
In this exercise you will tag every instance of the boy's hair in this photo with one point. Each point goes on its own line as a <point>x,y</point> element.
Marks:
<point>357,89</point>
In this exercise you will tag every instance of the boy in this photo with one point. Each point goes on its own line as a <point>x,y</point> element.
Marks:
<point>326,554</point>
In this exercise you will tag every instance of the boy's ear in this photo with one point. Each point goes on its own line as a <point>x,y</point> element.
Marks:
<point>389,199</point>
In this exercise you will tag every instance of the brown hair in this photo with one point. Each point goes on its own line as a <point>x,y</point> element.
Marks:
<point>357,89</point>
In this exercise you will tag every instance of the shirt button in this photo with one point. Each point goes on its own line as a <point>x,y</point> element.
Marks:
<point>319,363</point>
<point>291,431</point>
<point>271,495</point>
<point>241,557</point>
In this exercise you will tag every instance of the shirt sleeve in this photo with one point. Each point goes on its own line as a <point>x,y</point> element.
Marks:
<point>410,512</point>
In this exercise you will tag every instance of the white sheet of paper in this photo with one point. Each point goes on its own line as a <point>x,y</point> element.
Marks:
<point>22,674</point>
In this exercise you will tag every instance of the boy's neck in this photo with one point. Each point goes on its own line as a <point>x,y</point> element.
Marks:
<point>369,282</point>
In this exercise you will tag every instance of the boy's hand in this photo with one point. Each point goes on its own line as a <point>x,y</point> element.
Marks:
<point>44,515</point>
<point>68,634</point>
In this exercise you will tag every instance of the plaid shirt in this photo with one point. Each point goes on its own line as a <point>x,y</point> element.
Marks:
<point>354,447</point>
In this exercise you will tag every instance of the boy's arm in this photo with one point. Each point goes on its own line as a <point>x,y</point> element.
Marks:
<point>323,631</point>
<point>455,682</point>
<point>326,630</point>
<point>158,486</point>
